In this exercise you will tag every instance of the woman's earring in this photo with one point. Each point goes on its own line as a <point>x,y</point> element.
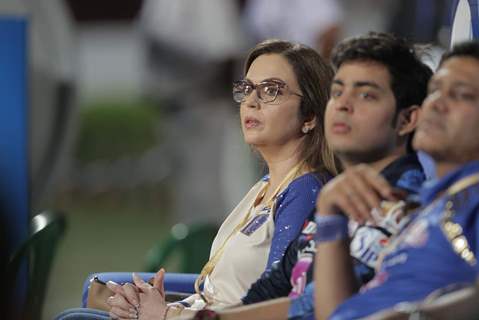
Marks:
<point>305,130</point>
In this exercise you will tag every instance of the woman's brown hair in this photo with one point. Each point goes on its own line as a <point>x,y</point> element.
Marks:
<point>314,77</point>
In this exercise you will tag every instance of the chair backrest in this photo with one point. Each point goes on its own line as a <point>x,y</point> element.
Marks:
<point>191,244</point>
<point>38,250</point>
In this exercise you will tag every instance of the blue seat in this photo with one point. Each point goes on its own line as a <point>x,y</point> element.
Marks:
<point>174,282</point>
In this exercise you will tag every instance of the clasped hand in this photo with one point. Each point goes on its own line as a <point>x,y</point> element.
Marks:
<point>139,300</point>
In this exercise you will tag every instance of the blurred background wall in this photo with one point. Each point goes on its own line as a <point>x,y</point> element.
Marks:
<point>132,127</point>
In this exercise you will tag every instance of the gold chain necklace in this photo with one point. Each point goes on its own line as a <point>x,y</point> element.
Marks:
<point>453,231</point>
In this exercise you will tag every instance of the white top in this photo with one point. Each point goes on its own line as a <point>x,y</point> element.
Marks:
<point>244,257</point>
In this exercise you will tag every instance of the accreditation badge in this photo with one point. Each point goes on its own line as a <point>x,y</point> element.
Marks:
<point>255,223</point>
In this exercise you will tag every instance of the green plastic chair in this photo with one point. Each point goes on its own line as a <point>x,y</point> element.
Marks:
<point>38,250</point>
<point>190,244</point>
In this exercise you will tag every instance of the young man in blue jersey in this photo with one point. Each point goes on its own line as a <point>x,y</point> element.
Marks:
<point>439,245</point>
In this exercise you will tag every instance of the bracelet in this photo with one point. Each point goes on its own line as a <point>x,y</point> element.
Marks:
<point>331,228</point>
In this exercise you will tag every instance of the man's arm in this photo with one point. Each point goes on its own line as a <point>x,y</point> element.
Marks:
<point>353,195</point>
<point>333,275</point>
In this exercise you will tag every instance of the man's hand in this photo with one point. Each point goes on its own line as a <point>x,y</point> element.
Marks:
<point>355,192</point>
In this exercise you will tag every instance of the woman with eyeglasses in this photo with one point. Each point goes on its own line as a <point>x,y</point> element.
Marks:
<point>282,100</point>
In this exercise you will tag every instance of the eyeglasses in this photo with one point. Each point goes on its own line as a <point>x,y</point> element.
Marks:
<point>270,91</point>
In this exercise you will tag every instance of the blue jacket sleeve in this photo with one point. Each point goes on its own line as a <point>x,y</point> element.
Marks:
<point>293,207</point>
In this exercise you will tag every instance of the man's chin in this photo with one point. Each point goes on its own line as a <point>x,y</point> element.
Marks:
<point>356,156</point>
<point>427,140</point>
<point>433,151</point>
<point>342,147</point>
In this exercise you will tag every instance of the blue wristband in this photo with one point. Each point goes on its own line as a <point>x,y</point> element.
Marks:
<point>331,228</point>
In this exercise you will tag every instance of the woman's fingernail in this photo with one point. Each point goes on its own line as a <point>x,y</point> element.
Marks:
<point>133,316</point>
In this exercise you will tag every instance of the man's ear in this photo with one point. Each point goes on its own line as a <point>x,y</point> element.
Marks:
<point>407,120</point>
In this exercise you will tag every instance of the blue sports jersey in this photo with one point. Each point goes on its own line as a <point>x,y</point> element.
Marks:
<point>422,258</point>
<point>405,173</point>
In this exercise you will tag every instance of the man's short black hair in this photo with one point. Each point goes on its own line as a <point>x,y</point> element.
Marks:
<point>409,75</point>
<point>463,49</point>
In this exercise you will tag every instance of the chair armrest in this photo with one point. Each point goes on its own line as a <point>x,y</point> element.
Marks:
<point>176,282</point>
<point>456,304</point>
<point>276,309</point>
